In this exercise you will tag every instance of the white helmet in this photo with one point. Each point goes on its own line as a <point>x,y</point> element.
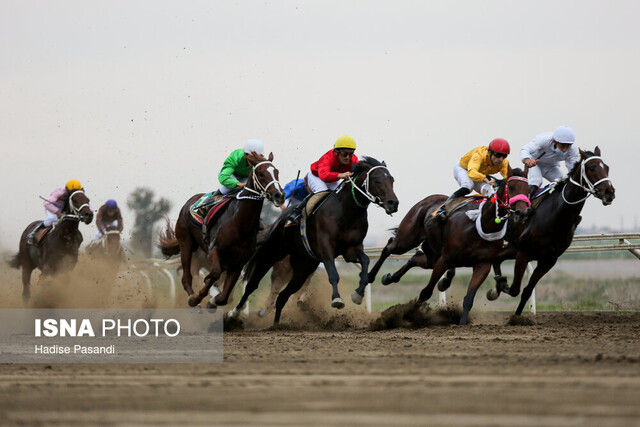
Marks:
<point>564,135</point>
<point>254,145</point>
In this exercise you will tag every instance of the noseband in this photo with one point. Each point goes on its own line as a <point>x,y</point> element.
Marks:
<point>261,191</point>
<point>366,193</point>
<point>590,188</point>
<point>507,200</point>
<point>75,210</point>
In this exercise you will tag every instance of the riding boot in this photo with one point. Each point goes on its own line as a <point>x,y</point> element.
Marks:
<point>296,212</point>
<point>533,191</point>
<point>31,237</point>
<point>441,214</point>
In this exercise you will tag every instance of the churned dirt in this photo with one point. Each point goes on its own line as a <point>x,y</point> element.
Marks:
<point>561,369</point>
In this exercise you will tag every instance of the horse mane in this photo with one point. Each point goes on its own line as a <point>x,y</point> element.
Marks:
<point>365,161</point>
<point>585,155</point>
<point>254,158</point>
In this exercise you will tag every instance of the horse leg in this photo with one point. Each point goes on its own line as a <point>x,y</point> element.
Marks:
<point>501,282</point>
<point>439,269</point>
<point>541,269</point>
<point>212,277</point>
<point>522,260</point>
<point>445,282</point>
<point>294,285</point>
<point>229,284</point>
<point>185,259</point>
<point>259,271</point>
<point>480,272</point>
<point>26,283</point>
<point>334,278</point>
<point>383,256</point>
<point>419,259</point>
<point>358,255</point>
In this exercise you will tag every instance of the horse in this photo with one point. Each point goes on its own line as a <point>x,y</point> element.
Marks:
<point>230,239</point>
<point>58,249</point>
<point>337,227</point>
<point>108,246</point>
<point>549,230</point>
<point>460,241</point>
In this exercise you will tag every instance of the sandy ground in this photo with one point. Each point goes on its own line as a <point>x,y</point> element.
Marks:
<point>565,369</point>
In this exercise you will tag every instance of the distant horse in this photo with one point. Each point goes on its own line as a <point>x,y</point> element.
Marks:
<point>338,227</point>
<point>58,249</point>
<point>108,246</point>
<point>460,242</point>
<point>231,237</point>
<point>549,231</point>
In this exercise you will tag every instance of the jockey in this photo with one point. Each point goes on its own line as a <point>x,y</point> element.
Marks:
<point>235,169</point>
<point>546,151</point>
<point>54,205</point>
<point>294,193</point>
<point>108,215</point>
<point>327,173</point>
<point>473,170</point>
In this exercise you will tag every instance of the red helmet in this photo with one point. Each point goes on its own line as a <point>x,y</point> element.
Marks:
<point>499,145</point>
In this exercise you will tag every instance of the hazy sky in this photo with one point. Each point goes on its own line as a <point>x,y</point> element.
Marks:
<point>122,94</point>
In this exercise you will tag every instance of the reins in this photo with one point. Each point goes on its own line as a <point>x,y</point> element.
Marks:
<point>261,192</point>
<point>590,188</point>
<point>366,193</point>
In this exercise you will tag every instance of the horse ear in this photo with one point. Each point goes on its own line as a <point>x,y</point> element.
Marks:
<point>596,151</point>
<point>384,163</point>
<point>581,153</point>
<point>509,171</point>
<point>525,173</point>
<point>271,156</point>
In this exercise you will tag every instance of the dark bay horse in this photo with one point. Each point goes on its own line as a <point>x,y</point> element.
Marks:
<point>338,227</point>
<point>549,230</point>
<point>108,246</point>
<point>58,250</point>
<point>232,236</point>
<point>460,242</point>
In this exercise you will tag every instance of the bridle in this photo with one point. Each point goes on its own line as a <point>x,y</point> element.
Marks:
<point>261,190</point>
<point>590,187</point>
<point>366,193</point>
<point>75,211</point>
<point>507,200</point>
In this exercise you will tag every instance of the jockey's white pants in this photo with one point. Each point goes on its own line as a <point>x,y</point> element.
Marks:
<point>317,185</point>
<point>550,171</point>
<point>461,175</point>
<point>50,218</point>
<point>227,190</point>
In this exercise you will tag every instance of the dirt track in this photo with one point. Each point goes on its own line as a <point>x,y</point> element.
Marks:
<point>567,369</point>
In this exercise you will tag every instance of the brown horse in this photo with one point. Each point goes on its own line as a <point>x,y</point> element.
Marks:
<point>460,242</point>
<point>231,237</point>
<point>549,231</point>
<point>58,249</point>
<point>338,227</point>
<point>108,246</point>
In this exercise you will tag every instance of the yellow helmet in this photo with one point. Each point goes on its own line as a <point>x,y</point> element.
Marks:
<point>345,141</point>
<point>73,184</point>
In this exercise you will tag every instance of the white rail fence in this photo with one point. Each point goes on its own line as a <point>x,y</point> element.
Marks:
<point>622,243</point>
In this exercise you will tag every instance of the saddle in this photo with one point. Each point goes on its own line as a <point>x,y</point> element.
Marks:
<point>40,233</point>
<point>456,204</point>
<point>540,195</point>
<point>314,203</point>
<point>208,207</point>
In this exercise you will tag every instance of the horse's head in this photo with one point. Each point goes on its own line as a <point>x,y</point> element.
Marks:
<point>263,179</point>
<point>111,240</point>
<point>592,174</point>
<point>513,194</point>
<point>375,181</point>
<point>79,205</point>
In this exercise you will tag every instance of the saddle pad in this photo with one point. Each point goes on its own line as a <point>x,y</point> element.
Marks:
<point>314,202</point>
<point>457,203</point>
<point>41,233</point>
<point>540,196</point>
<point>207,207</point>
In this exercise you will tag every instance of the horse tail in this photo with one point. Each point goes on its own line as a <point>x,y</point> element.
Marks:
<point>14,262</point>
<point>167,242</point>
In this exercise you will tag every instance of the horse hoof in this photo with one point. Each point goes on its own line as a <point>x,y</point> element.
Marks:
<point>232,314</point>
<point>443,285</point>
<point>356,298</point>
<point>211,308</point>
<point>193,301</point>
<point>386,279</point>
<point>492,295</point>
<point>337,303</point>
<point>197,309</point>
